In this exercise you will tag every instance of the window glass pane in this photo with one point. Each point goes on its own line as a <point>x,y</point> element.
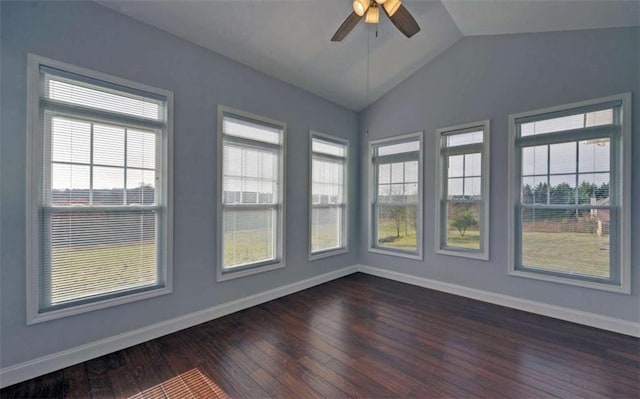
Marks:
<point>141,149</point>
<point>397,172</point>
<point>384,193</point>
<point>141,187</point>
<point>90,96</point>
<point>409,146</point>
<point>535,190</point>
<point>326,228</point>
<point>96,253</point>
<point>329,148</point>
<point>252,131</point>
<point>384,173</point>
<point>397,227</point>
<point>562,158</point>
<point>248,236</point>
<point>411,192</point>
<point>249,175</point>
<point>566,241</point>
<point>456,166</point>
<point>70,140</point>
<point>454,187</point>
<point>472,187</point>
<point>69,184</point>
<point>473,164</point>
<point>108,186</point>
<point>463,225</point>
<point>108,145</point>
<point>594,155</point>
<point>562,189</point>
<point>411,172</point>
<point>577,121</point>
<point>593,188</point>
<point>453,140</point>
<point>534,160</point>
<point>598,118</point>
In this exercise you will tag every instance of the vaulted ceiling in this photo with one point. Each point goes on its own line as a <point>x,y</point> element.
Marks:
<point>290,40</point>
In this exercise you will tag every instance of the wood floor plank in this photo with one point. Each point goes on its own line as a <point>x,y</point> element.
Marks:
<point>364,337</point>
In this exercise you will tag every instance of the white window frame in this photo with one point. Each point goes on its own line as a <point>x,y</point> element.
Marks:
<point>441,170</point>
<point>373,186</point>
<point>622,167</point>
<point>257,267</point>
<point>314,255</point>
<point>34,194</point>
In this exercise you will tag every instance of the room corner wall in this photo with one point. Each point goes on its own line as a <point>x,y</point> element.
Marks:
<point>490,77</point>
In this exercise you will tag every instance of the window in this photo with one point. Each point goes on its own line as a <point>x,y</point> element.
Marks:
<point>396,196</point>
<point>328,211</point>
<point>251,187</point>
<point>99,191</point>
<point>571,194</point>
<point>463,191</point>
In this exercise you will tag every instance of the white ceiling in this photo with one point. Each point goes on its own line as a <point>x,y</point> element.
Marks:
<point>290,39</point>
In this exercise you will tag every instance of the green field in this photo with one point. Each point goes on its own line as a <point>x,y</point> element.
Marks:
<point>387,232</point>
<point>247,246</point>
<point>470,240</point>
<point>121,266</point>
<point>582,253</point>
<point>127,266</point>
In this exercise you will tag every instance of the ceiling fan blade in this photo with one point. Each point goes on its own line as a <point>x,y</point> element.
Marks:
<point>404,21</point>
<point>346,27</point>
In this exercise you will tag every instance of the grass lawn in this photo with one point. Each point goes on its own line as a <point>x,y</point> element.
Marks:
<point>471,239</point>
<point>582,253</point>
<point>387,230</point>
<point>120,266</point>
<point>247,246</point>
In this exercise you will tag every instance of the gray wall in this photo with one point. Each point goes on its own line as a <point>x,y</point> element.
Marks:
<point>488,78</point>
<point>91,36</point>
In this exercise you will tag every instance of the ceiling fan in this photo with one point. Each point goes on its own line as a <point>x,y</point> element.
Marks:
<point>394,9</point>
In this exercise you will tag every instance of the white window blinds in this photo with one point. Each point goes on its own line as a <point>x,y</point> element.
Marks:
<point>252,196</point>
<point>328,195</point>
<point>102,197</point>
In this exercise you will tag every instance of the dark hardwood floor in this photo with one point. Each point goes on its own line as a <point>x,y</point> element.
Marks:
<point>362,336</point>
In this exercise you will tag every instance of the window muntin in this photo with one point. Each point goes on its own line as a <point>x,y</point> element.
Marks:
<point>99,191</point>
<point>328,211</point>
<point>396,196</point>
<point>463,190</point>
<point>251,173</point>
<point>570,197</point>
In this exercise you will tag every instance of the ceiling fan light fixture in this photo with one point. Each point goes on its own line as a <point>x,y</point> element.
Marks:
<point>360,6</point>
<point>373,15</point>
<point>380,1</point>
<point>391,6</point>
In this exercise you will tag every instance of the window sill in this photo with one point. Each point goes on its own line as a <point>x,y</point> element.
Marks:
<point>621,288</point>
<point>327,253</point>
<point>464,254</point>
<point>231,274</point>
<point>399,254</point>
<point>89,307</point>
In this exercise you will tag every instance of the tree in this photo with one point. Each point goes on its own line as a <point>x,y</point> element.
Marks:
<point>462,218</point>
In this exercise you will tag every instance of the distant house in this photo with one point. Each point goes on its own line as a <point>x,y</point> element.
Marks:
<point>601,216</point>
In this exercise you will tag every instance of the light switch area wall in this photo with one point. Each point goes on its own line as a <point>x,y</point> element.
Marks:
<point>490,77</point>
<point>91,36</point>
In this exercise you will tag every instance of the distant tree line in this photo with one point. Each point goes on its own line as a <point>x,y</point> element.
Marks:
<point>562,194</point>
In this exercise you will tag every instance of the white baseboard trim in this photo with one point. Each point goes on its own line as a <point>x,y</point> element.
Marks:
<point>589,319</point>
<point>46,364</point>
